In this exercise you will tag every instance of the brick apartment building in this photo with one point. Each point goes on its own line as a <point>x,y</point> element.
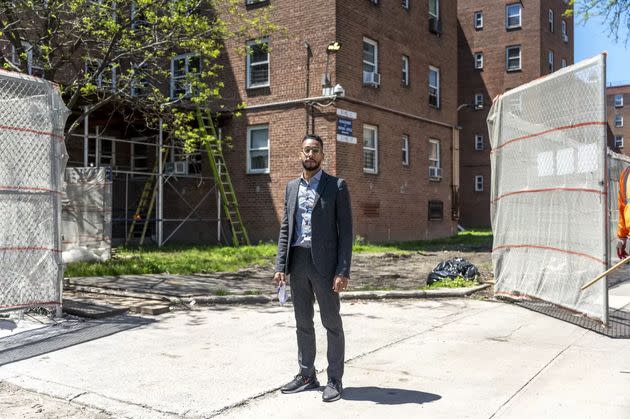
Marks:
<point>618,112</point>
<point>390,134</point>
<point>502,44</point>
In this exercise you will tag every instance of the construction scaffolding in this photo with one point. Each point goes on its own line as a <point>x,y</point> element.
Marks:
<point>156,166</point>
<point>32,161</point>
<point>550,203</point>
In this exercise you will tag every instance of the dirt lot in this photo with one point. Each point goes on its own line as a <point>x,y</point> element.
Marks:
<point>409,270</point>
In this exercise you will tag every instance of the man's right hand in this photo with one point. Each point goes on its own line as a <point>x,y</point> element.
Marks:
<point>279,277</point>
<point>621,248</point>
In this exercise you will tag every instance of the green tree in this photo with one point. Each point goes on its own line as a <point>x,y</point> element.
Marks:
<point>616,14</point>
<point>119,53</point>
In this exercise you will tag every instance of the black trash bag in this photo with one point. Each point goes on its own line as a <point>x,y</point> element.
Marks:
<point>451,269</point>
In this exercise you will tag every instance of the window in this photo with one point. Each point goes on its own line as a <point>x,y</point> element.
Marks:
<point>618,101</point>
<point>435,166</point>
<point>106,79</point>
<point>479,60</point>
<point>370,149</point>
<point>251,2</point>
<point>550,61</point>
<point>405,4</point>
<point>434,87</point>
<point>479,145</point>
<point>513,58</point>
<point>138,17</point>
<point>565,35</point>
<point>618,141</point>
<point>370,62</point>
<point>370,56</point>
<point>258,149</point>
<point>550,20</point>
<point>139,153</point>
<point>140,81</point>
<point>479,101</point>
<point>434,9</point>
<point>436,210</point>
<point>101,152</point>
<point>563,63</point>
<point>185,163</point>
<point>405,70</point>
<point>513,16</point>
<point>405,150</point>
<point>619,120</point>
<point>478,183</point>
<point>435,25</point>
<point>478,20</point>
<point>258,63</point>
<point>33,68</point>
<point>184,68</point>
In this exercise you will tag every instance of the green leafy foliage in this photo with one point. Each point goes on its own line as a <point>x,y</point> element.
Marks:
<point>121,53</point>
<point>616,14</point>
<point>459,282</point>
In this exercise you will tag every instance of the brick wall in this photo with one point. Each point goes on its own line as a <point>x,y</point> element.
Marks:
<point>624,111</point>
<point>535,40</point>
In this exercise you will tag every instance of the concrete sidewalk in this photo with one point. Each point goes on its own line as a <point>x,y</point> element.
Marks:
<point>447,358</point>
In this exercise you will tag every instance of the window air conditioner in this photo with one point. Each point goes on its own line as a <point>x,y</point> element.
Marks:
<point>180,167</point>
<point>435,172</point>
<point>565,37</point>
<point>371,79</point>
<point>375,1</point>
<point>435,25</point>
<point>478,105</point>
<point>176,168</point>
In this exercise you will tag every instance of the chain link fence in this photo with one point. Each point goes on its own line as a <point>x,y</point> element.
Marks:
<point>32,160</point>
<point>549,207</point>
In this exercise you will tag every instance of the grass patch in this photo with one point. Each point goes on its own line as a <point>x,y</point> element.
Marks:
<point>458,282</point>
<point>176,260</point>
<point>221,292</point>
<point>210,259</point>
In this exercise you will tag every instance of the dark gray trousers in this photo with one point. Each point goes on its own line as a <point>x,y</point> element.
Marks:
<point>307,283</point>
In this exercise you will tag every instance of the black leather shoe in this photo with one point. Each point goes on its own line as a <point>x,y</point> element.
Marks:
<point>332,391</point>
<point>300,383</point>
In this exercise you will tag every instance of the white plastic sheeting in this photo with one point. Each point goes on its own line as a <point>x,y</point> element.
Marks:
<point>549,202</point>
<point>87,214</point>
<point>32,160</point>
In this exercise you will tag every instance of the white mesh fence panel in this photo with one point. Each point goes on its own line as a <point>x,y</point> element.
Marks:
<point>87,214</point>
<point>549,202</point>
<point>32,158</point>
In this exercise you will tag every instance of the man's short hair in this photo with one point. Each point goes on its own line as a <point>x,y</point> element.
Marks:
<point>316,138</point>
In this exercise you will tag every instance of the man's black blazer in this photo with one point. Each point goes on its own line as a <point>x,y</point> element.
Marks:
<point>331,221</point>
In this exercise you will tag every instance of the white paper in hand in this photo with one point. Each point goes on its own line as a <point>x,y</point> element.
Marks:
<point>282,293</point>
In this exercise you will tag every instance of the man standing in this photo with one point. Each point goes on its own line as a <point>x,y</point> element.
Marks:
<point>315,248</point>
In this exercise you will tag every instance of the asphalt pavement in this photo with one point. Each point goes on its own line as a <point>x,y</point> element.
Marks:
<point>437,358</point>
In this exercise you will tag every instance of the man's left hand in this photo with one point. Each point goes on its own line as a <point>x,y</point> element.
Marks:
<point>340,283</point>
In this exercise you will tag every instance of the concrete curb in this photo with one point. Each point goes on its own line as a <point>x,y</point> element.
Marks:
<point>266,299</point>
<point>351,295</point>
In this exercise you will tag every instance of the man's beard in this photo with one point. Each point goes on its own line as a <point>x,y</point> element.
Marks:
<point>312,168</point>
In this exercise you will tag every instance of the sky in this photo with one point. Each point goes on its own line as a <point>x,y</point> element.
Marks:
<point>592,38</point>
